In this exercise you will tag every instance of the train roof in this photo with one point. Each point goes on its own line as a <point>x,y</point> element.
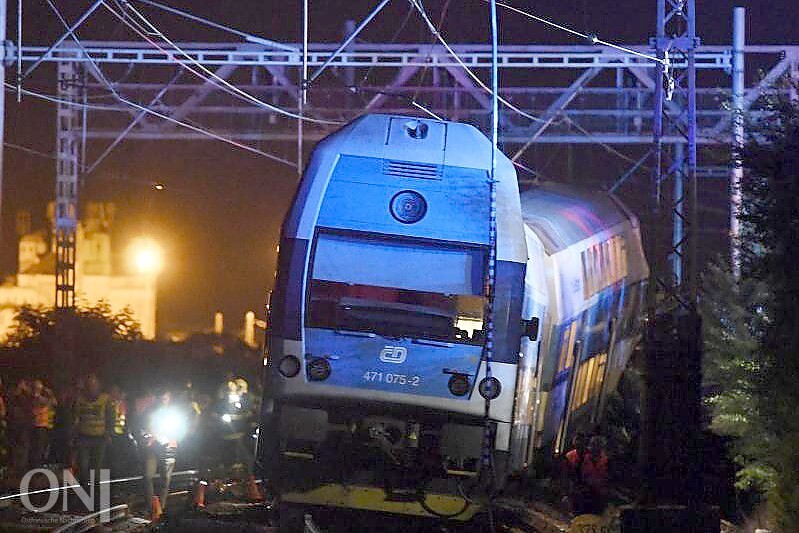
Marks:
<point>562,215</point>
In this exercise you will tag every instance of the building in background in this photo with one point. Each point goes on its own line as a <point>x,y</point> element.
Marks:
<point>34,283</point>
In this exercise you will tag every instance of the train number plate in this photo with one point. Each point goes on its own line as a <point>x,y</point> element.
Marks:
<point>390,378</point>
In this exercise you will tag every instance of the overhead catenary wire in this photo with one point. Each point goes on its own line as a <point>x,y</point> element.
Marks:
<point>63,37</point>
<point>244,35</point>
<point>604,145</point>
<point>9,87</point>
<point>147,110</point>
<point>130,126</point>
<point>593,39</point>
<point>197,129</point>
<point>28,150</point>
<point>440,25</point>
<point>346,42</point>
<point>217,80</point>
<point>431,27</point>
<point>426,19</point>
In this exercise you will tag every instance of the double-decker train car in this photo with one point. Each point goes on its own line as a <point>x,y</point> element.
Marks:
<point>376,381</point>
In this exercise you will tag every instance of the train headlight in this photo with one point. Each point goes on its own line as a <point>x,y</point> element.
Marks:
<point>318,369</point>
<point>169,424</point>
<point>408,207</point>
<point>289,366</point>
<point>489,388</point>
<point>459,384</point>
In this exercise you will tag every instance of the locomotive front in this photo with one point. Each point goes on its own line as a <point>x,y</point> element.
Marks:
<point>376,376</point>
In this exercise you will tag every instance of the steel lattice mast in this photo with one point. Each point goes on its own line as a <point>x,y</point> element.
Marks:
<point>66,184</point>
<point>670,443</point>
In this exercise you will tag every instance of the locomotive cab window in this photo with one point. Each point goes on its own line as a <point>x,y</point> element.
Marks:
<point>394,288</point>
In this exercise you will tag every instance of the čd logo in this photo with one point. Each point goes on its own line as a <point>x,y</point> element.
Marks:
<point>394,354</point>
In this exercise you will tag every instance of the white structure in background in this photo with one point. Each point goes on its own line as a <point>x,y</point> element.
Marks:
<point>249,329</point>
<point>96,279</point>
<point>219,323</point>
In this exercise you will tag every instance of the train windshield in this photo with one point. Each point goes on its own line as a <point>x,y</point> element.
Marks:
<point>396,312</point>
<point>397,288</point>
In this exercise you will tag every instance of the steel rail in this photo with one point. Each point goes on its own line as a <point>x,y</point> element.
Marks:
<point>8,497</point>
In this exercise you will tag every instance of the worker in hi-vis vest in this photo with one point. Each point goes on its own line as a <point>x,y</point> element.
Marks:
<point>165,424</point>
<point>93,427</point>
<point>43,410</point>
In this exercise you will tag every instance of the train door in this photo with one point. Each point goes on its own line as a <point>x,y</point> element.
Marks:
<point>577,349</point>
<point>567,351</point>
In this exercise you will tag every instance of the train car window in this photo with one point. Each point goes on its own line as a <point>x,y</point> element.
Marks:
<point>585,390</point>
<point>604,264</point>
<point>579,384</point>
<point>396,312</point>
<point>587,289</point>
<point>590,377</point>
<point>623,258</point>
<point>634,295</point>
<point>599,373</point>
<point>566,345</point>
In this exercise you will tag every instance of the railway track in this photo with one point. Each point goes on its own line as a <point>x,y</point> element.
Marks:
<point>229,507</point>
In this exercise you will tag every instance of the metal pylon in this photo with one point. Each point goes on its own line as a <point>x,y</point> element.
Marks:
<point>671,408</point>
<point>70,86</point>
<point>675,115</point>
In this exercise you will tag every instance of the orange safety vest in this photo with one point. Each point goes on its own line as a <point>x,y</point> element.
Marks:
<point>43,415</point>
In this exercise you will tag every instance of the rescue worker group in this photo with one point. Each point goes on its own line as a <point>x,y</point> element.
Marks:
<point>89,427</point>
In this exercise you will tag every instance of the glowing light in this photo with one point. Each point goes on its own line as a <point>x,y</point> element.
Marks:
<point>169,424</point>
<point>146,256</point>
<point>227,418</point>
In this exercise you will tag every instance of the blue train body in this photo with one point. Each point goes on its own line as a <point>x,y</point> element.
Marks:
<point>377,317</point>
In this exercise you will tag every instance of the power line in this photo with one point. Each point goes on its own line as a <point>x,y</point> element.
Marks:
<point>56,100</point>
<point>30,151</point>
<point>594,39</point>
<point>420,8</point>
<point>247,96</point>
<point>417,4</point>
<point>49,98</point>
<point>604,145</point>
<point>244,35</point>
<point>147,110</point>
<point>425,69</point>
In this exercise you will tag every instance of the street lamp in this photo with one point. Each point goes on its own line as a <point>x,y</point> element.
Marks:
<point>146,256</point>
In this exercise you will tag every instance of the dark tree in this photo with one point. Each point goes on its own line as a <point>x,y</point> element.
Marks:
<point>733,320</point>
<point>59,345</point>
<point>770,218</point>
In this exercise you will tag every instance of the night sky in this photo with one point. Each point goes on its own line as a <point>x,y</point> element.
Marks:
<point>219,217</point>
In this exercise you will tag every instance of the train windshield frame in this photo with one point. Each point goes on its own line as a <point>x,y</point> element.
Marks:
<point>387,286</point>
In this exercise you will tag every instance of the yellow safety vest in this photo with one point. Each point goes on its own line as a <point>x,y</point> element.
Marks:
<point>120,417</point>
<point>50,417</point>
<point>91,416</point>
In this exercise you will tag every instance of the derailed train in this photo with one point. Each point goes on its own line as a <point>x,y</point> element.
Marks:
<point>373,395</point>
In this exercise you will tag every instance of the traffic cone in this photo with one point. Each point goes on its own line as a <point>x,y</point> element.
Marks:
<point>199,494</point>
<point>253,492</point>
<point>155,510</point>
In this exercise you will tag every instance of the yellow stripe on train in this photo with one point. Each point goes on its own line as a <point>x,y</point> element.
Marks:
<point>374,499</point>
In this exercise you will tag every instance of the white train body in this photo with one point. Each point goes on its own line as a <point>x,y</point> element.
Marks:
<point>376,347</point>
